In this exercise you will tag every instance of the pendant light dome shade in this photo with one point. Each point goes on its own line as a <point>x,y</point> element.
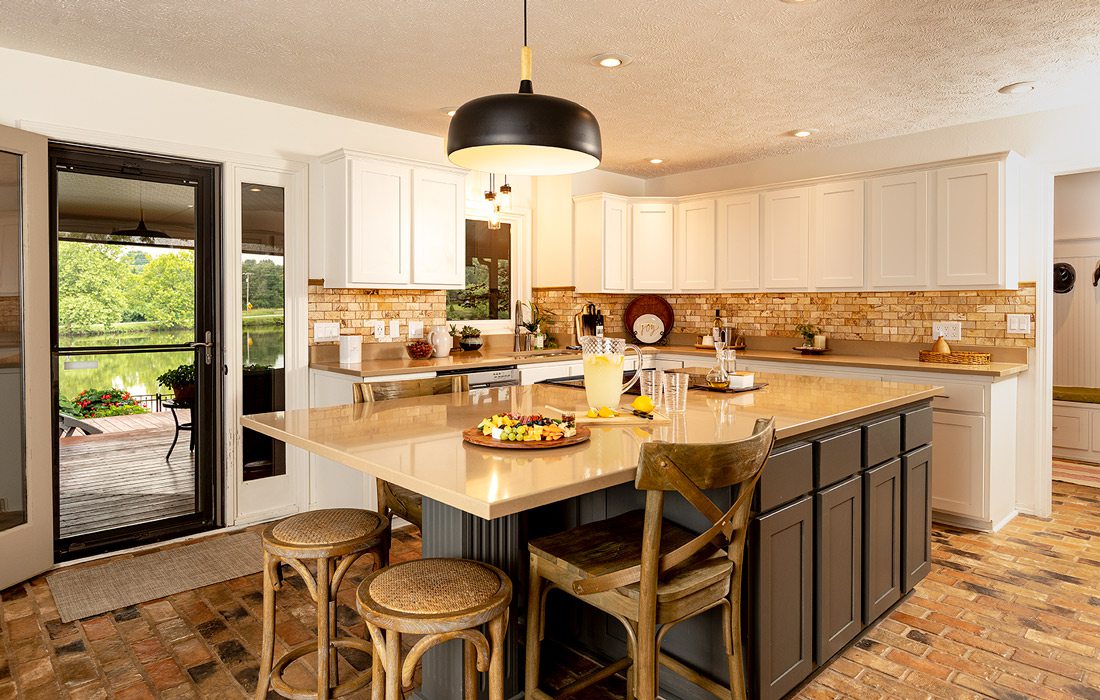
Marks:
<point>524,133</point>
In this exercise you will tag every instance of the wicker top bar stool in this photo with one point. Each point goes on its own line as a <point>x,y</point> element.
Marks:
<point>441,599</point>
<point>393,499</point>
<point>333,540</point>
<point>667,574</point>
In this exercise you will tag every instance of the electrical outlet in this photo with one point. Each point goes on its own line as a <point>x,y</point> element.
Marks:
<point>326,331</point>
<point>379,328</point>
<point>948,330</point>
<point>1019,324</point>
<point>416,329</point>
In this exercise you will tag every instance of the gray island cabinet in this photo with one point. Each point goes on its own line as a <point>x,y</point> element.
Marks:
<point>840,531</point>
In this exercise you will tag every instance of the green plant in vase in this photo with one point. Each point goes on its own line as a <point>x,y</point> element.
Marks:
<point>807,331</point>
<point>471,338</point>
<point>182,382</point>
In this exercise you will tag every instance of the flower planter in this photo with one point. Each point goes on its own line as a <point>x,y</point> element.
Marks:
<point>184,393</point>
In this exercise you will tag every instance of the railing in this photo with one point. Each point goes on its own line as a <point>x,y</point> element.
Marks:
<point>153,402</point>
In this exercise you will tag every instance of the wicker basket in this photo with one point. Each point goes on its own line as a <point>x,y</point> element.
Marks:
<point>956,358</point>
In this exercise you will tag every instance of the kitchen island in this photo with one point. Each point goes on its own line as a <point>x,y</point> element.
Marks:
<point>841,532</point>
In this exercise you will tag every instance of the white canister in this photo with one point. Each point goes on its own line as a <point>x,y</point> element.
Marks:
<point>351,349</point>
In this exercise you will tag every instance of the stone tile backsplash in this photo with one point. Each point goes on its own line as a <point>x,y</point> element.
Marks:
<point>353,308</point>
<point>900,317</point>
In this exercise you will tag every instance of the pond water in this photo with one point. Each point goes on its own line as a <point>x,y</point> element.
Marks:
<point>137,372</point>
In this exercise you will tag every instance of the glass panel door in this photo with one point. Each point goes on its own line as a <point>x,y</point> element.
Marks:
<point>26,515</point>
<point>135,353</point>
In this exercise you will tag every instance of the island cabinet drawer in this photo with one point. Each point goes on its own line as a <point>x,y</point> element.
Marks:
<point>837,457</point>
<point>780,635</point>
<point>881,441</point>
<point>960,397</point>
<point>788,474</point>
<point>916,428</point>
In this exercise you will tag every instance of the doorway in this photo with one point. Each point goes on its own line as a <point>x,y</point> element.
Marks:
<point>135,326</point>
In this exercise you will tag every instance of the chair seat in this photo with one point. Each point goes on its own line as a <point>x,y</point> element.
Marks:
<point>324,533</point>
<point>614,544</point>
<point>434,590</point>
<point>405,503</point>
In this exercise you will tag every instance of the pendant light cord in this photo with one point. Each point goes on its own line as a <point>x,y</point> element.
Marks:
<point>525,22</point>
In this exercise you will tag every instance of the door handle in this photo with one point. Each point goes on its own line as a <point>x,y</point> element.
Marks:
<point>208,347</point>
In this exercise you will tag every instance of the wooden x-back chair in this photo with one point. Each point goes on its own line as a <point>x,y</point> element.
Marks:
<point>667,576</point>
<point>393,499</point>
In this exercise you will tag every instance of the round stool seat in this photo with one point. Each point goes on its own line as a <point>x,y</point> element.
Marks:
<point>321,533</point>
<point>434,593</point>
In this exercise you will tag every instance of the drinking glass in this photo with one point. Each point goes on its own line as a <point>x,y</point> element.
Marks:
<point>676,391</point>
<point>652,384</point>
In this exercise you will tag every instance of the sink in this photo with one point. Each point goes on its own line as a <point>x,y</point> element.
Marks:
<point>545,353</point>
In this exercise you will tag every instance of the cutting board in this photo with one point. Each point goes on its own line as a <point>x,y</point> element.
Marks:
<point>624,418</point>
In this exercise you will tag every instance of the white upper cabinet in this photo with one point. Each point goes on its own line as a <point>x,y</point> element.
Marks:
<point>379,211</point>
<point>696,246</point>
<point>838,235</point>
<point>898,231</point>
<point>738,250</point>
<point>439,228</point>
<point>652,247</point>
<point>971,244</point>
<point>787,239</point>
<point>601,243</point>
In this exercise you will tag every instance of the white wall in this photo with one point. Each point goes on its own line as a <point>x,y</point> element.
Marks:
<point>1077,207</point>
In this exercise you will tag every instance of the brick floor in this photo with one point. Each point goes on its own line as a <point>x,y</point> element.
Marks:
<point>1015,615</point>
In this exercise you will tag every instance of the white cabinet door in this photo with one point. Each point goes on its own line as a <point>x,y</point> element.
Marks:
<point>616,246</point>
<point>380,231</point>
<point>438,228</point>
<point>959,467</point>
<point>787,239</point>
<point>738,223</point>
<point>652,247</point>
<point>838,234</point>
<point>969,225</point>
<point>533,374</point>
<point>898,231</point>
<point>695,245</point>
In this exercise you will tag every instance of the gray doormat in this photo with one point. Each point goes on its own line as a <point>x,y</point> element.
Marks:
<point>90,590</point>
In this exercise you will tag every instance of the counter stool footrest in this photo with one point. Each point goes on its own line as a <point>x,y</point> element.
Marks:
<point>593,678</point>
<point>295,693</point>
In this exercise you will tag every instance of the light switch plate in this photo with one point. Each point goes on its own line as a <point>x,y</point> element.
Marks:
<point>1019,324</point>
<point>948,330</point>
<point>416,329</point>
<point>325,331</point>
<point>395,328</point>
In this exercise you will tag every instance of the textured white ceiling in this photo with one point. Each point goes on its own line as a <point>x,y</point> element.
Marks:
<point>712,81</point>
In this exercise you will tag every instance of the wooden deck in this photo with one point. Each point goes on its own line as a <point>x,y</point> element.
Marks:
<point>120,477</point>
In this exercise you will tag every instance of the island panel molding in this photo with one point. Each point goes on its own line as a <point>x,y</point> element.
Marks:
<point>887,316</point>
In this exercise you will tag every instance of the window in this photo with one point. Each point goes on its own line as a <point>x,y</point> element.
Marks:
<point>495,274</point>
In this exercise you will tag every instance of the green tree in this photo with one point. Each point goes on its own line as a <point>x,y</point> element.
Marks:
<point>265,284</point>
<point>92,285</point>
<point>165,290</point>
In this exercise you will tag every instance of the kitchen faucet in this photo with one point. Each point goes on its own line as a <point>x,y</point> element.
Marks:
<point>519,327</point>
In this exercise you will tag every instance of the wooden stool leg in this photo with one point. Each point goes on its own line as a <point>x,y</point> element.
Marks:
<point>646,662</point>
<point>377,666</point>
<point>324,645</point>
<point>469,670</point>
<point>267,652</point>
<point>736,659</point>
<point>534,623</point>
<point>334,655</point>
<point>497,629</point>
<point>393,665</point>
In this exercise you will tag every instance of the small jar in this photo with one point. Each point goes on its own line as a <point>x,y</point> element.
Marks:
<point>820,342</point>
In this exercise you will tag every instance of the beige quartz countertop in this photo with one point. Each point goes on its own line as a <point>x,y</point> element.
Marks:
<point>486,360</point>
<point>417,443</point>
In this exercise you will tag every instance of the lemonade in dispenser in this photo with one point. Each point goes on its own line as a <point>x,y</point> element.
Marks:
<point>603,370</point>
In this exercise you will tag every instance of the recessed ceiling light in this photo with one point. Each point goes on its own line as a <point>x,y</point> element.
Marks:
<point>1017,88</point>
<point>254,188</point>
<point>803,133</point>
<point>449,111</point>
<point>190,206</point>
<point>798,2</point>
<point>656,161</point>
<point>610,60</point>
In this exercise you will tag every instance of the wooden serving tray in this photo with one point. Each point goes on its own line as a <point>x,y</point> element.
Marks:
<point>624,418</point>
<point>474,437</point>
<point>728,390</point>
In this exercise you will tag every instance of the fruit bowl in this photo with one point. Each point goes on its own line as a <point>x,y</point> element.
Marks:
<point>419,349</point>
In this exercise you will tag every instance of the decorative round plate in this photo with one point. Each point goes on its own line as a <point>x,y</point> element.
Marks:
<point>810,350</point>
<point>474,437</point>
<point>645,305</point>
<point>648,328</point>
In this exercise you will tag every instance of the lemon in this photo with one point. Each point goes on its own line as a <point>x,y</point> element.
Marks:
<point>643,404</point>
<point>606,412</point>
<point>592,413</point>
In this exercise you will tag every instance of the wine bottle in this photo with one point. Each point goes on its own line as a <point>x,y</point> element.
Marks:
<point>716,329</point>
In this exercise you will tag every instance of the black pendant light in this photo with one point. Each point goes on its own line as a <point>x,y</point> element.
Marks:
<point>523,132</point>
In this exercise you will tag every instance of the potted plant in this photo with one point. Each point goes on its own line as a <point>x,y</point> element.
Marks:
<point>807,331</point>
<point>182,381</point>
<point>456,337</point>
<point>471,338</point>
<point>540,319</point>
